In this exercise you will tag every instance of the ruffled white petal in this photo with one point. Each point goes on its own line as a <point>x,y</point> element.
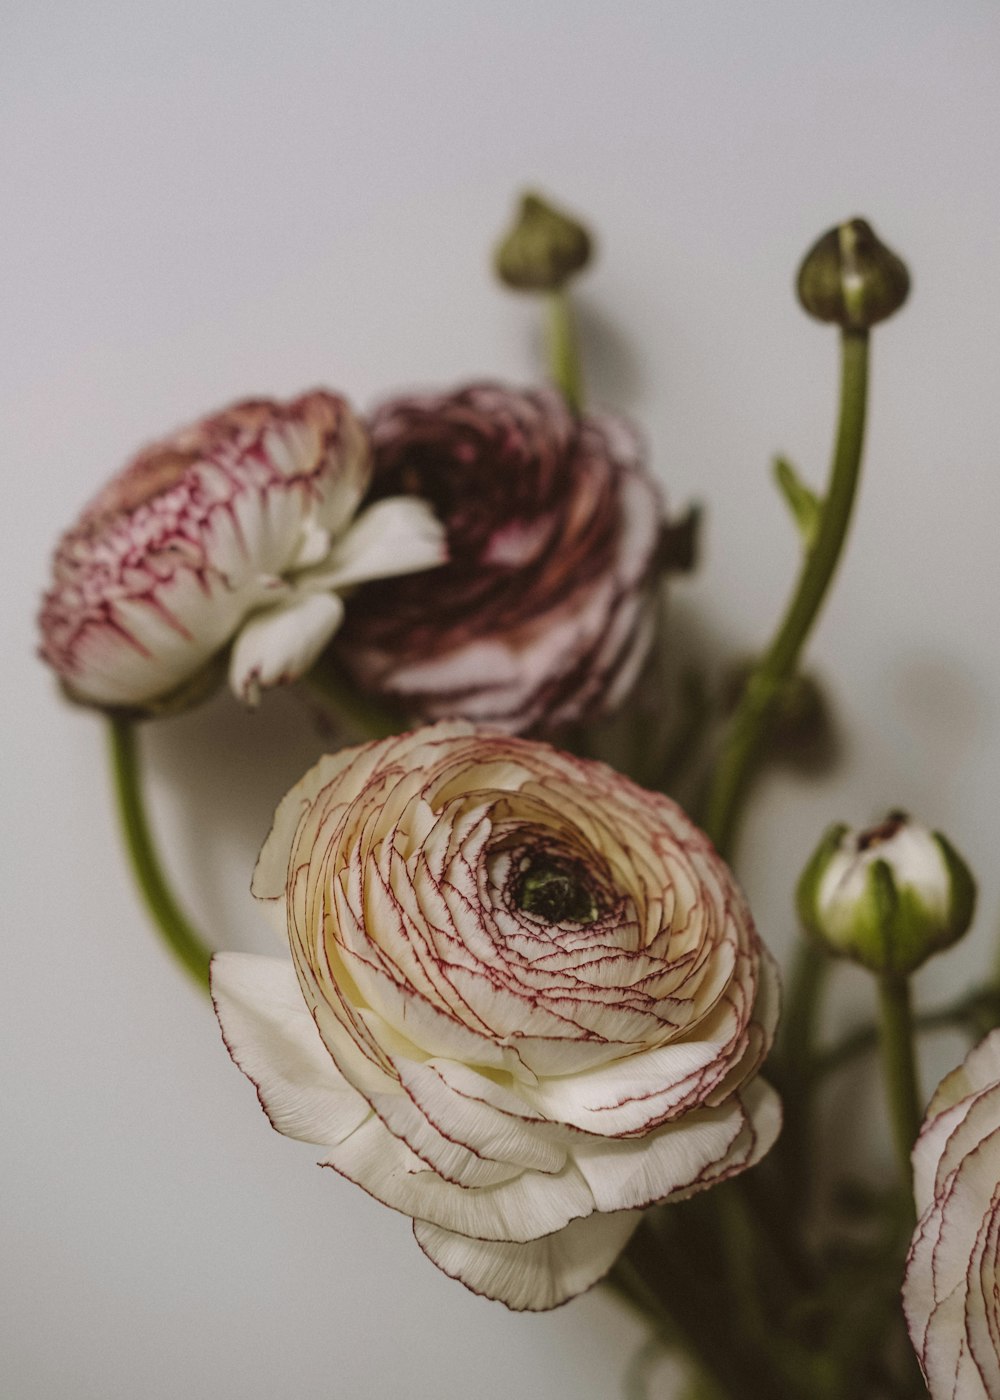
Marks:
<point>635,1172</point>
<point>449,1093</point>
<point>399,535</point>
<point>462,1138</point>
<point>631,1094</point>
<point>537,1276</point>
<point>274,1041</point>
<point>278,645</point>
<point>521,1209</point>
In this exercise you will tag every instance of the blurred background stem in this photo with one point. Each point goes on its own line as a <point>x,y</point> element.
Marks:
<point>564,355</point>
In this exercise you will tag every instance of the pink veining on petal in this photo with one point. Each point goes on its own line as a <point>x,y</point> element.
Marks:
<point>167,559</point>
<point>951,1292</point>
<point>527,1065</point>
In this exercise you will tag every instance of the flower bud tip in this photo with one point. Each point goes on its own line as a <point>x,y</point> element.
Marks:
<point>851,278</point>
<point>543,249</point>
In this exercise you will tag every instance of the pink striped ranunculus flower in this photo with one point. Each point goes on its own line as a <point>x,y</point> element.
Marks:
<point>952,1289</point>
<point>526,1000</point>
<point>240,531</point>
<point>545,611</point>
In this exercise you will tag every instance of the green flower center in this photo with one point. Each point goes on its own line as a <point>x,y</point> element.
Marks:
<point>557,891</point>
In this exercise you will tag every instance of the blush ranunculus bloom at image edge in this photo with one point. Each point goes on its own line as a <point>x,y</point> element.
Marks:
<point>521,1080</point>
<point>242,528</point>
<point>546,608</point>
<point>951,1294</point>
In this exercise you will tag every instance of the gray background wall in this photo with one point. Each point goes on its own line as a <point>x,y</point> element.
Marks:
<point>203,201</point>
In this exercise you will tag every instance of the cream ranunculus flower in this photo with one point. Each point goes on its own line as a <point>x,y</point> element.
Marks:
<point>242,529</point>
<point>952,1289</point>
<point>526,1000</point>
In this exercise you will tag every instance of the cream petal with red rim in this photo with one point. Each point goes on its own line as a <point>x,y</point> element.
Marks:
<point>530,1205</point>
<point>961,1206</point>
<point>635,1172</point>
<point>472,1121</point>
<point>948,1363</point>
<point>982,1308</point>
<point>394,1006</point>
<point>299,813</point>
<point>537,1276</point>
<point>760,1129</point>
<point>759,1032</point>
<point>631,1094</point>
<point>273,1039</point>
<point>447,1158</point>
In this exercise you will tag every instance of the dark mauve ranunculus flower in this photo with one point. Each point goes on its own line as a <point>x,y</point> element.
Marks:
<point>545,611</point>
<point>526,999</point>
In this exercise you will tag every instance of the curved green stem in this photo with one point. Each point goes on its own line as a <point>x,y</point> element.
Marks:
<point>564,358</point>
<point>748,728</point>
<point>177,932</point>
<point>899,1059</point>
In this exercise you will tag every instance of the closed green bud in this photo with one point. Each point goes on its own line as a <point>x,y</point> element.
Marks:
<point>887,897</point>
<point>544,248</point>
<point>802,732</point>
<point>851,278</point>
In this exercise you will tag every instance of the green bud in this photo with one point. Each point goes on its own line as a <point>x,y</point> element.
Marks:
<point>543,249</point>
<point>887,897</point>
<point>802,729</point>
<point>851,278</point>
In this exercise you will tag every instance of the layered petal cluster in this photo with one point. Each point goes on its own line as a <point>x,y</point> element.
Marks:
<point>242,529</point>
<point>951,1293</point>
<point>545,610</point>
<point>526,1000</point>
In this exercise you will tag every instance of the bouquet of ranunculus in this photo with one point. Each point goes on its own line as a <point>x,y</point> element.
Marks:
<point>517,993</point>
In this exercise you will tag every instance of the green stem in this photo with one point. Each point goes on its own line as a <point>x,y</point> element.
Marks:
<point>366,717</point>
<point>699,1329</point>
<point>899,1060</point>
<point>177,932</point>
<point>797,1053</point>
<point>748,728</point>
<point>564,359</point>
<point>682,744</point>
<point>976,1013</point>
<point>805,989</point>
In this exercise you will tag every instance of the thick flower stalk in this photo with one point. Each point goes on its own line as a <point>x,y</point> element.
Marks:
<point>952,1290</point>
<point>545,611</point>
<point>526,1000</point>
<point>241,529</point>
